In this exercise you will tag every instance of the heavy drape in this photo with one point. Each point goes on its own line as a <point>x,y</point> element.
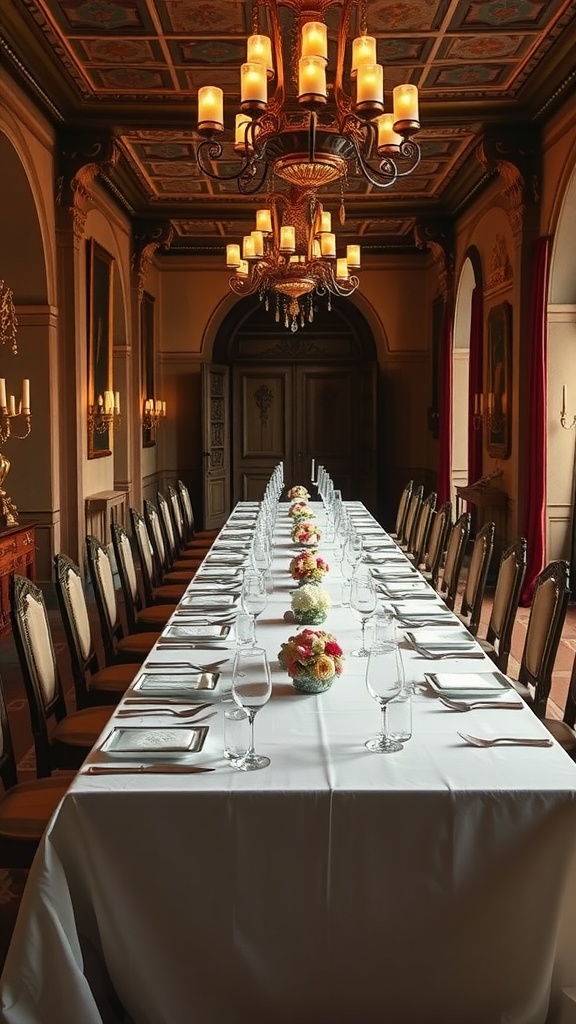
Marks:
<point>475,384</point>
<point>445,435</point>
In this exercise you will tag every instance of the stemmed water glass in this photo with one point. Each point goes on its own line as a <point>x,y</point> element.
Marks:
<point>363,600</point>
<point>384,681</point>
<point>253,597</point>
<point>251,689</point>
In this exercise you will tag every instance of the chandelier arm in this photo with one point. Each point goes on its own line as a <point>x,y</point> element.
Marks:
<point>343,100</point>
<point>276,102</point>
<point>249,181</point>
<point>213,151</point>
<point>387,173</point>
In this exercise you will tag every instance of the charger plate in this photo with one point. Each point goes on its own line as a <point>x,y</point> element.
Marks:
<point>154,742</point>
<point>469,685</point>
<point>169,683</point>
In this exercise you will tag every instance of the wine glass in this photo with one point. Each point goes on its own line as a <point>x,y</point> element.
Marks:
<point>363,599</point>
<point>254,597</point>
<point>251,689</point>
<point>384,681</point>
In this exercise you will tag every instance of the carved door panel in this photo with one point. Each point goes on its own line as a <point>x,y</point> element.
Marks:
<point>216,444</point>
<point>325,421</point>
<point>263,427</point>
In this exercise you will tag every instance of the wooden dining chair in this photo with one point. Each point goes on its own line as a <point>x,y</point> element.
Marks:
<point>199,544</point>
<point>414,504</point>
<point>455,550</point>
<point>398,531</point>
<point>155,591</point>
<point>437,538</point>
<point>25,807</point>
<point>545,624</point>
<point>93,686</point>
<point>473,597</point>
<point>563,731</point>
<point>188,517</point>
<point>421,529</point>
<point>498,640</point>
<point>133,648</point>
<point>62,739</point>
<point>178,559</point>
<point>164,567</point>
<point>139,617</point>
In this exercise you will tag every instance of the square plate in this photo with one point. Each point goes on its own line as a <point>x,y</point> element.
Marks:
<point>417,609</point>
<point>225,558</point>
<point>208,600</point>
<point>474,684</point>
<point>218,573</point>
<point>169,684</point>
<point>191,632</point>
<point>155,742</point>
<point>420,590</point>
<point>432,640</point>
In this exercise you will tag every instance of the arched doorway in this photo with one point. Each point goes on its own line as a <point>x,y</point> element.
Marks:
<point>298,397</point>
<point>461,370</point>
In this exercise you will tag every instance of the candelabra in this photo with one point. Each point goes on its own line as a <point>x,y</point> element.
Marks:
<point>490,416</point>
<point>154,411</point>
<point>105,413</point>
<point>8,414</point>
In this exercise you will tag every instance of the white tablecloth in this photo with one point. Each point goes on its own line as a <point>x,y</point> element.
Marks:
<point>431,886</point>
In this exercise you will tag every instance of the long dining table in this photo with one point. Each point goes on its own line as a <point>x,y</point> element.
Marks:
<point>435,885</point>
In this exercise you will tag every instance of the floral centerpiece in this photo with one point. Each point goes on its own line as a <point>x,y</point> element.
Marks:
<point>312,659</point>
<point>305,532</point>
<point>298,492</point>
<point>301,510</point>
<point>310,604</point>
<point>308,567</point>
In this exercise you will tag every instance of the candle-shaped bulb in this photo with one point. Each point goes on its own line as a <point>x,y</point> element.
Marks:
<point>369,87</point>
<point>243,268</point>
<point>287,239</point>
<point>311,79</point>
<point>406,114</point>
<point>210,108</point>
<point>25,396</point>
<point>341,269</point>
<point>326,221</point>
<point>117,402</point>
<point>232,255</point>
<point>3,392</point>
<point>258,238</point>
<point>363,52</point>
<point>248,247</point>
<point>259,51</point>
<point>315,40</point>
<point>388,139</point>
<point>328,244</point>
<point>12,406</point>
<point>264,221</point>
<point>353,256</point>
<point>254,87</point>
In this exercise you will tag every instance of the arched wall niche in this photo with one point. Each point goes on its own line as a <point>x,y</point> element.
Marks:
<point>22,251</point>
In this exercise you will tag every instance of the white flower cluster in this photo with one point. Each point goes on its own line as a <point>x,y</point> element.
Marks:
<point>310,598</point>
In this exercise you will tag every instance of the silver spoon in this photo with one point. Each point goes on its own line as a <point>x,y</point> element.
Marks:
<point>518,741</point>
<point>462,705</point>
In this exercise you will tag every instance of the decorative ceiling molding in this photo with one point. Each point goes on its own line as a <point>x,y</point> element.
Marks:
<point>82,156</point>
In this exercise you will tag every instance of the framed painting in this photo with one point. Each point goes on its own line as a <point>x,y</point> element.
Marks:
<point>99,265</point>
<point>434,407</point>
<point>147,361</point>
<point>499,380</point>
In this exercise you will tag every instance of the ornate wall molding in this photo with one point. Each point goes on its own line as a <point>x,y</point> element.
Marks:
<point>437,235</point>
<point>500,269</point>
<point>515,155</point>
<point>148,237</point>
<point>82,156</point>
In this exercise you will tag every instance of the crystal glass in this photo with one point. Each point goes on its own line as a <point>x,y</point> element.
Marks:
<point>253,597</point>
<point>363,600</point>
<point>251,689</point>
<point>384,681</point>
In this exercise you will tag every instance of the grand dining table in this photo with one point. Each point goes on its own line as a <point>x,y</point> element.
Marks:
<point>435,885</point>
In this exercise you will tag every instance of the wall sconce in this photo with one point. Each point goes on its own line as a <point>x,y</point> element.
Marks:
<point>563,422</point>
<point>9,413</point>
<point>488,415</point>
<point>105,414</point>
<point>154,411</point>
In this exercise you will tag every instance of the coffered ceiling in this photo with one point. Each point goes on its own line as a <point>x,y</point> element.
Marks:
<point>133,67</point>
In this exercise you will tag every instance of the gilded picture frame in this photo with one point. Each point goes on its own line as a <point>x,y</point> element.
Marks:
<point>147,361</point>
<point>499,376</point>
<point>99,265</point>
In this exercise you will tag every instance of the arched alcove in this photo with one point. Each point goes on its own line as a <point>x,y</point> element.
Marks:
<point>470,276</point>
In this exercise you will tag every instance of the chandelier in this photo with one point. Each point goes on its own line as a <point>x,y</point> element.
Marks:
<point>306,133</point>
<point>294,261</point>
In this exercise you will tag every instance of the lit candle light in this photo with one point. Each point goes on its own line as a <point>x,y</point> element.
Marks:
<point>406,106</point>
<point>258,238</point>
<point>341,269</point>
<point>264,221</point>
<point>232,255</point>
<point>259,51</point>
<point>370,85</point>
<point>315,40</point>
<point>25,396</point>
<point>328,244</point>
<point>326,221</point>
<point>12,406</point>
<point>117,402</point>
<point>254,85</point>
<point>241,138</point>
<point>287,239</point>
<point>211,108</point>
<point>248,247</point>
<point>243,269</point>
<point>363,52</point>
<point>3,392</point>
<point>311,77</point>
<point>387,137</point>
<point>353,255</point>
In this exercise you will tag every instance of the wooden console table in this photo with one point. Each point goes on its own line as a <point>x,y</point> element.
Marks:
<point>492,507</point>
<point>17,555</point>
<point>103,509</point>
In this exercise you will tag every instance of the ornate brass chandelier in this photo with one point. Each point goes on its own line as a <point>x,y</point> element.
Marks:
<point>306,136</point>
<point>309,135</point>
<point>294,261</point>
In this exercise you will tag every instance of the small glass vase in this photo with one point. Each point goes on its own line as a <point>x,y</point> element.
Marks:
<point>307,683</point>
<point>313,617</point>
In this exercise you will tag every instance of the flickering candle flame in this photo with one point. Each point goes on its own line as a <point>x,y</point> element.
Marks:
<point>254,84</point>
<point>406,104</point>
<point>328,244</point>
<point>311,76</point>
<point>264,221</point>
<point>353,255</point>
<point>386,134</point>
<point>259,51</point>
<point>341,269</point>
<point>370,84</point>
<point>258,238</point>
<point>287,239</point>
<point>232,255</point>
<point>363,52</point>
<point>326,221</point>
<point>248,252</point>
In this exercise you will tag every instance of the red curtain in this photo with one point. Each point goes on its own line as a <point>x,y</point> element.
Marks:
<point>535,509</point>
<point>475,383</point>
<point>445,433</point>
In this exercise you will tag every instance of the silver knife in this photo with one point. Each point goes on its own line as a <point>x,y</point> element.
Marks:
<point>146,769</point>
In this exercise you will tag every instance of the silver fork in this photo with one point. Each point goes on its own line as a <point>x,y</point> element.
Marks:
<point>513,741</point>
<point>183,713</point>
<point>462,705</point>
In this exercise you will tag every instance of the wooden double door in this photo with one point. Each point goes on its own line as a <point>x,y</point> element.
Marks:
<point>299,412</point>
